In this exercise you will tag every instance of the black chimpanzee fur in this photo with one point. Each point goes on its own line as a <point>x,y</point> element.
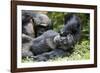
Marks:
<point>53,44</point>
<point>33,25</point>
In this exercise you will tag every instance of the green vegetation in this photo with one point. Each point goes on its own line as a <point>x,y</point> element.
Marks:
<point>57,19</point>
<point>82,48</point>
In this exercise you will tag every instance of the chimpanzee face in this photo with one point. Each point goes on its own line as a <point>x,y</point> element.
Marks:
<point>42,23</point>
<point>64,42</point>
<point>27,24</point>
<point>35,24</point>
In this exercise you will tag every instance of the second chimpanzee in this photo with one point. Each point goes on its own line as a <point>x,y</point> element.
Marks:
<point>33,25</point>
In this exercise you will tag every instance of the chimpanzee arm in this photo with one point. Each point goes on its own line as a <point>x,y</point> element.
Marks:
<point>26,38</point>
<point>26,43</point>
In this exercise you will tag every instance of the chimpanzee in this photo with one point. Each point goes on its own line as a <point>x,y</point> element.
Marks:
<point>33,25</point>
<point>53,44</point>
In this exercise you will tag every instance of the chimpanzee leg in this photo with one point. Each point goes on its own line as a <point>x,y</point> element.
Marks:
<point>50,55</point>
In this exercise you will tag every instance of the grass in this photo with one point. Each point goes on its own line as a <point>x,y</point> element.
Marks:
<point>81,52</point>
